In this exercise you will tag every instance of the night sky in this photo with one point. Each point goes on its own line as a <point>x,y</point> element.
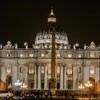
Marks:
<point>20,21</point>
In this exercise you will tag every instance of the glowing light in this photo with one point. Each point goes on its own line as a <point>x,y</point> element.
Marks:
<point>42,55</point>
<point>23,85</point>
<point>91,71</point>
<point>58,55</point>
<point>21,55</point>
<point>18,83</point>
<point>69,55</point>
<point>88,84</point>
<point>79,55</point>
<point>31,55</point>
<point>81,86</point>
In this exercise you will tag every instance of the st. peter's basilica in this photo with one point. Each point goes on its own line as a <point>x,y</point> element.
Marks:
<point>32,66</point>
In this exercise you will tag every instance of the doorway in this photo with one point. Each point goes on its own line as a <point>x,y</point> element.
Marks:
<point>8,82</point>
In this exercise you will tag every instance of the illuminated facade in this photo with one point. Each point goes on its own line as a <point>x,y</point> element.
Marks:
<point>32,66</point>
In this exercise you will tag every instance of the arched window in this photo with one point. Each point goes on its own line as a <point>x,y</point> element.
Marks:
<point>31,68</point>
<point>69,69</point>
<point>9,69</point>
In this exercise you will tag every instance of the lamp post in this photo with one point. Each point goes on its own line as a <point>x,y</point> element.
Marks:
<point>18,84</point>
<point>23,87</point>
<point>81,87</point>
<point>88,84</point>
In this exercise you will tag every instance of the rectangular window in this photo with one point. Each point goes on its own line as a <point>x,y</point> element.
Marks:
<point>9,69</point>
<point>92,54</point>
<point>21,55</point>
<point>91,69</point>
<point>69,55</point>
<point>79,55</point>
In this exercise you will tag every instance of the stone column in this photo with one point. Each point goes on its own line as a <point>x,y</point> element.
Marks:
<point>0,70</point>
<point>3,74</point>
<point>14,75</point>
<point>61,77</point>
<point>65,77</point>
<point>82,73</point>
<point>35,82</point>
<point>56,77</point>
<point>74,76</point>
<point>45,78</point>
<point>97,74</point>
<point>26,75</point>
<point>86,74</point>
<point>39,76</point>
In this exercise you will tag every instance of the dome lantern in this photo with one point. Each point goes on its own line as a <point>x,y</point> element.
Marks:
<point>52,18</point>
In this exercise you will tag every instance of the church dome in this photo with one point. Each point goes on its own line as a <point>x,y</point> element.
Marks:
<point>44,37</point>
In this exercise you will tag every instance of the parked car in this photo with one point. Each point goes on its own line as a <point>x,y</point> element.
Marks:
<point>5,94</point>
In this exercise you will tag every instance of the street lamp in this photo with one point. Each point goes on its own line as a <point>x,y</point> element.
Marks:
<point>23,86</point>
<point>88,84</point>
<point>81,87</point>
<point>18,83</point>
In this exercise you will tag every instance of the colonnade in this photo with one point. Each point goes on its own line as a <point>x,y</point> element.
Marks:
<point>85,74</point>
<point>37,77</point>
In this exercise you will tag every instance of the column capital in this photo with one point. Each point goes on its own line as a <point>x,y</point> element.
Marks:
<point>60,64</point>
<point>64,65</point>
<point>75,65</point>
<point>45,64</point>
